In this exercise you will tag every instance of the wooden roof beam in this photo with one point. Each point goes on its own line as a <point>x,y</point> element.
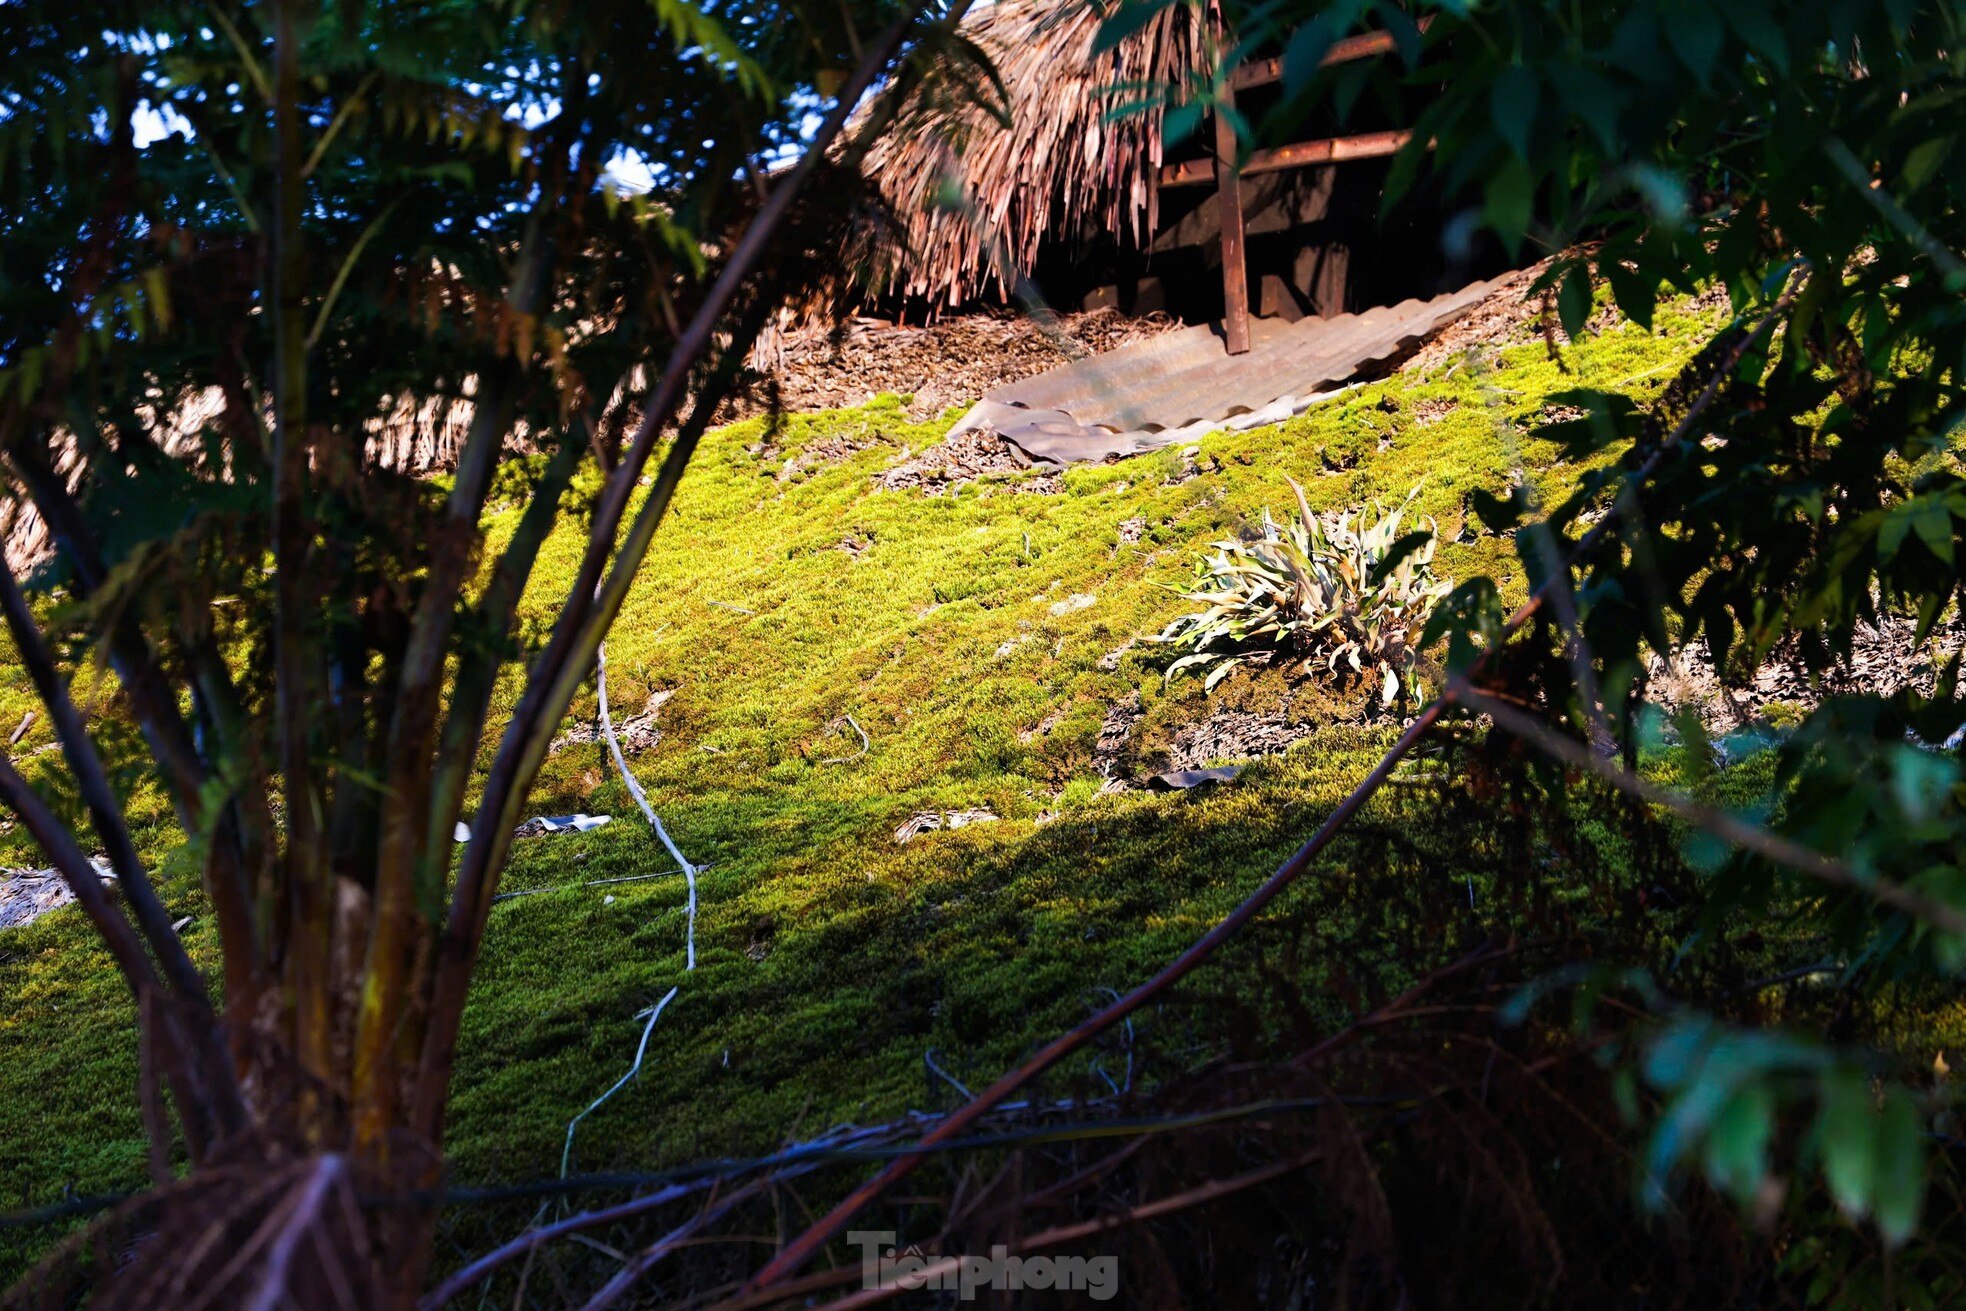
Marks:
<point>1262,72</point>
<point>1325,150</point>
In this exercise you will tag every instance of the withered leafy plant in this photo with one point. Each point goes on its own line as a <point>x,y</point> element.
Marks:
<point>1343,595</point>
<point>264,269</point>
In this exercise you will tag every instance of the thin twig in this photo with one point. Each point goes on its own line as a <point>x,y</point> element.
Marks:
<point>641,799</point>
<point>648,1257</point>
<point>531,1241</point>
<point>82,877</point>
<point>1729,828</point>
<point>105,810</point>
<point>1556,569</point>
<point>688,871</point>
<point>1062,1234</point>
<point>1564,602</point>
<point>928,1059</point>
<point>322,1178</point>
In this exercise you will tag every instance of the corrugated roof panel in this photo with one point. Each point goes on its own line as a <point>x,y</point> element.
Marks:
<point>1119,401</point>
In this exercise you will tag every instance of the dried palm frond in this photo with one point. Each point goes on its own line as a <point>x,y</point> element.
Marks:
<point>1062,144</point>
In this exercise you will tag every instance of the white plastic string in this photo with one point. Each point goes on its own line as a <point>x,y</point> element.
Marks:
<point>641,799</point>
<point>689,873</point>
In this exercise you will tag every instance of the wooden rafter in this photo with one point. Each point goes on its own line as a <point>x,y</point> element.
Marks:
<point>1235,269</point>
<point>1325,150</point>
<point>1225,170</point>
<point>1261,72</point>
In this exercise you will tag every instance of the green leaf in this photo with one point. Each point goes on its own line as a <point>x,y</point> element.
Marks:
<point>1635,292</point>
<point>1891,533</point>
<point>156,290</point>
<point>1396,554</point>
<point>1737,1144</point>
<point>1920,781</point>
<point>1663,191</point>
<point>1181,121</point>
<point>1130,18</point>
<point>1693,30</point>
<point>1511,200</point>
<point>1573,300</point>
<point>1591,97</point>
<point>1846,1134</point>
<point>1406,33</point>
<point>1705,852</point>
<point>1933,524</point>
<point>1754,24</point>
<point>1677,1054</point>
<point>1512,103</point>
<point>1923,161</point>
<point>1220,672</point>
<point>1496,514</point>
<point>693,28</point>
<point>1899,1186</point>
<point>1306,50</point>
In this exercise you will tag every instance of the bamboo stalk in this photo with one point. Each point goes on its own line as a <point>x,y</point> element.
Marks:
<point>1228,200</point>
<point>207,1088</point>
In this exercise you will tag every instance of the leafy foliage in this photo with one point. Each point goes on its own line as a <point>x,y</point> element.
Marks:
<point>263,266</point>
<point>1805,158</point>
<point>1343,591</point>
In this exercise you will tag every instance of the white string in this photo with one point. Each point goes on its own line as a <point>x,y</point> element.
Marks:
<point>689,873</point>
<point>654,1014</point>
<point>641,799</point>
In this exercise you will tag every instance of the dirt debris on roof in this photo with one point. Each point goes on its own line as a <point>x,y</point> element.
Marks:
<point>1111,755</point>
<point>965,458</point>
<point>1883,659</point>
<point>928,821</point>
<point>1503,318</point>
<point>638,732</point>
<point>951,362</point>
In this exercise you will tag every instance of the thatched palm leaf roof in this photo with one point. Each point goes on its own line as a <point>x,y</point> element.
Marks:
<point>974,198</point>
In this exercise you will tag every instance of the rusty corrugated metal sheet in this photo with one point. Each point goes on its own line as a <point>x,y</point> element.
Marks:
<point>1142,395</point>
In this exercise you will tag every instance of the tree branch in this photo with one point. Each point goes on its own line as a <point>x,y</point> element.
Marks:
<point>154,703</point>
<point>80,874</point>
<point>493,617</point>
<point>1729,828</point>
<point>105,810</point>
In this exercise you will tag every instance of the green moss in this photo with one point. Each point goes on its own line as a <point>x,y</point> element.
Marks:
<point>831,957</point>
